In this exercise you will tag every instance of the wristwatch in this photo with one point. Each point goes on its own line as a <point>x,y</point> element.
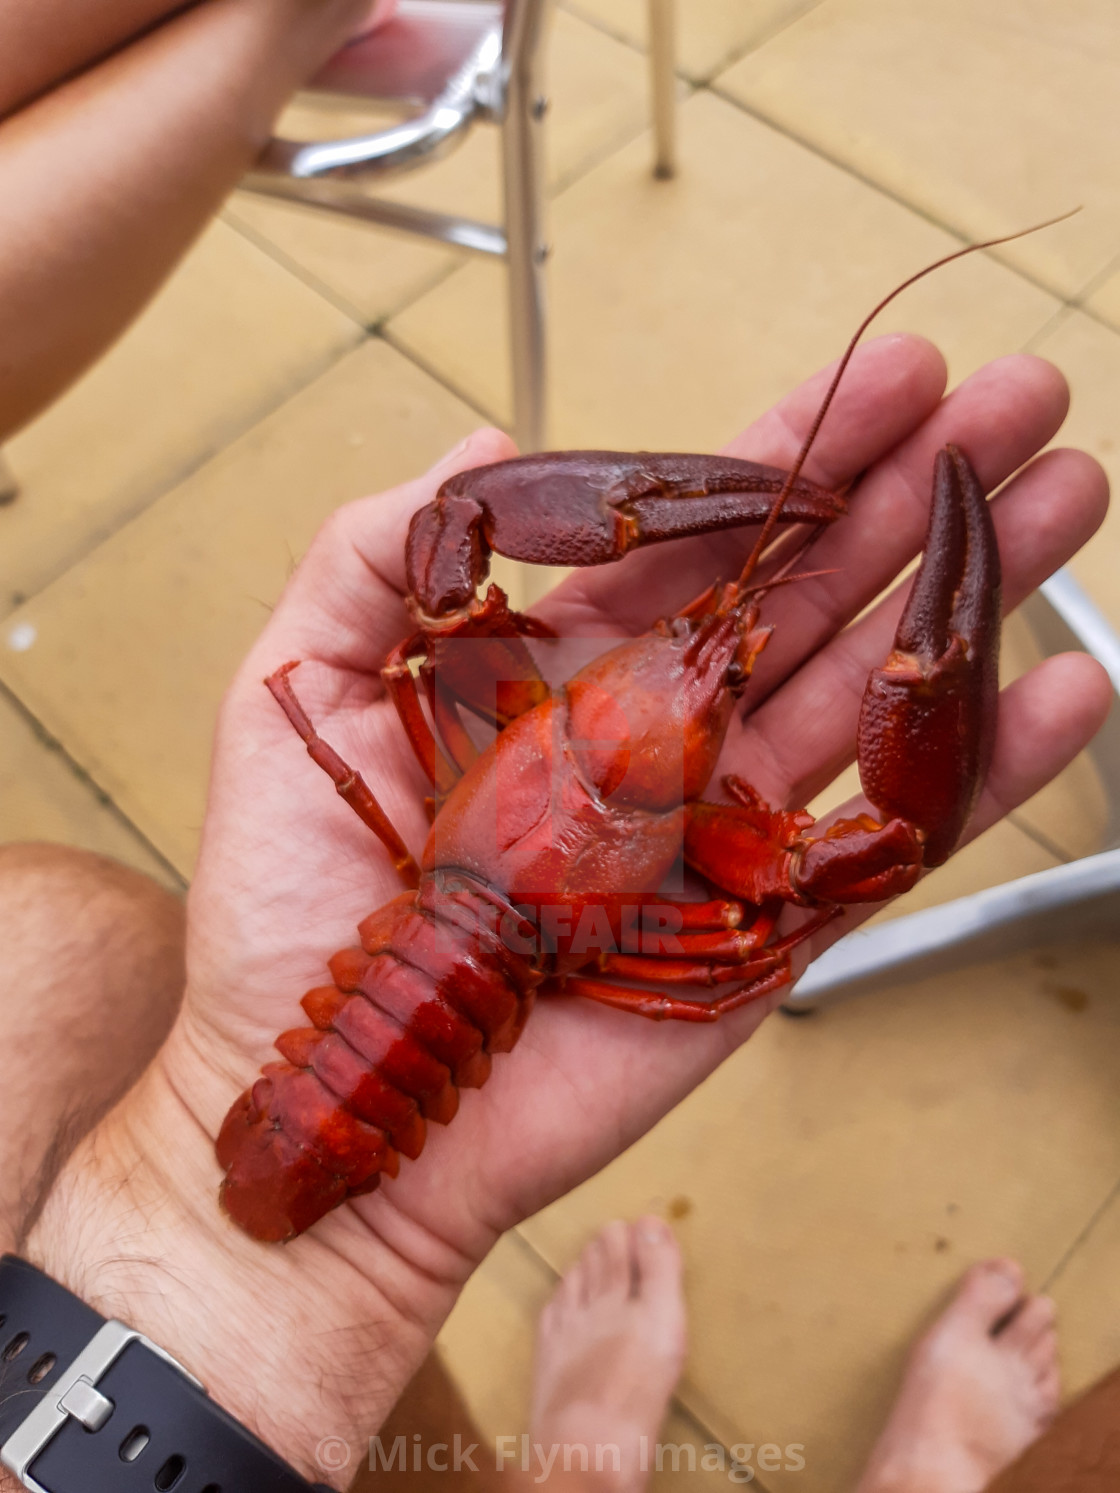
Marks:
<point>90,1406</point>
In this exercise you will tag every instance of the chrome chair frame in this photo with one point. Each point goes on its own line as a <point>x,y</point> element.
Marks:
<point>498,80</point>
<point>1080,899</point>
<point>493,74</point>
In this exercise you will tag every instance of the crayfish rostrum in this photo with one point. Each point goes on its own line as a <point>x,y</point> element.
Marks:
<point>547,868</point>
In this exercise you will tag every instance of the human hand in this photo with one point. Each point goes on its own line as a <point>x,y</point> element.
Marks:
<point>287,870</point>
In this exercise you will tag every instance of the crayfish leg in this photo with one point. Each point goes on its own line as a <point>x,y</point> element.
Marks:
<point>350,785</point>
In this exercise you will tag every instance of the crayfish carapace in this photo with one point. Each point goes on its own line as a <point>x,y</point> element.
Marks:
<point>573,815</point>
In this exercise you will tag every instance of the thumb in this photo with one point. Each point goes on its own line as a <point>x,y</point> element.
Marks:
<point>344,606</point>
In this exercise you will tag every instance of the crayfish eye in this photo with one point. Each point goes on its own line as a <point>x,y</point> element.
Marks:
<point>736,676</point>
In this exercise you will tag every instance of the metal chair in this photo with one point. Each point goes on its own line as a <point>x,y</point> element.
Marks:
<point>456,63</point>
<point>453,64</point>
<point>1078,900</point>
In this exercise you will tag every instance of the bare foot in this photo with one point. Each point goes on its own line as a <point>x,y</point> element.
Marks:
<point>610,1347</point>
<point>979,1388</point>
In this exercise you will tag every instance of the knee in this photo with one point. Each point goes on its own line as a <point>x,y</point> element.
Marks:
<point>30,868</point>
<point>68,903</point>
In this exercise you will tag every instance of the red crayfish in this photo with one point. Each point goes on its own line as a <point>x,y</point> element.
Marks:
<point>573,816</point>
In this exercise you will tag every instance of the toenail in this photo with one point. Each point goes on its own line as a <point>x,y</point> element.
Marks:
<point>653,1231</point>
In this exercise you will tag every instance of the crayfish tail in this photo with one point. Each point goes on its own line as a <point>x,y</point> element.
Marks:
<point>273,1189</point>
<point>292,1153</point>
<point>413,1016</point>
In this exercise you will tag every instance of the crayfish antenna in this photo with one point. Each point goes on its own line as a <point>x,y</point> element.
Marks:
<point>775,513</point>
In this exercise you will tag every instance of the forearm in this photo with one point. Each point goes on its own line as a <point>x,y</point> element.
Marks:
<point>316,1340</point>
<point>141,150</point>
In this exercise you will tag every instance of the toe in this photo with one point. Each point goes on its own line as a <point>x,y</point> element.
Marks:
<point>1035,1317</point>
<point>657,1257</point>
<point>1049,1392</point>
<point>1043,1354</point>
<point>617,1268</point>
<point>593,1270</point>
<point>987,1293</point>
<point>565,1298</point>
<point>657,1277</point>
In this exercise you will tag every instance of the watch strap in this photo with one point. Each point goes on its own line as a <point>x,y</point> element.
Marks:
<point>127,1415</point>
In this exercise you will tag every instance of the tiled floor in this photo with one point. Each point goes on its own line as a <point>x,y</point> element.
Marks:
<point>832,1179</point>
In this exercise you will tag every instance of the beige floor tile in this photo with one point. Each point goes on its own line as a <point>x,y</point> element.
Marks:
<point>710,33</point>
<point>600,98</point>
<point>43,797</point>
<point>989,118</point>
<point>1105,301</point>
<point>1087,1290</point>
<point>230,336</point>
<point>832,1180</point>
<point>487,1345</point>
<point>680,309</point>
<point>134,646</point>
<point>1089,356</point>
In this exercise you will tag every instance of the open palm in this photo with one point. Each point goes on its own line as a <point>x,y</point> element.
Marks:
<point>287,871</point>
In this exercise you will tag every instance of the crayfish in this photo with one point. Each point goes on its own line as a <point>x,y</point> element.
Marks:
<point>546,869</point>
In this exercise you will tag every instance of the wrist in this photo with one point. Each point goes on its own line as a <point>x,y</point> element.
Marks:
<point>303,1343</point>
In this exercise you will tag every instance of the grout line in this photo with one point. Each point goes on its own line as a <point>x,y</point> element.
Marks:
<point>1094,283</point>
<point>52,744</point>
<point>696,80</point>
<point>760,41</point>
<point>1048,327</point>
<point>1062,315</point>
<point>622,141</point>
<point>460,261</point>
<point>322,287</point>
<point>598,24</point>
<point>189,468</point>
<point>961,235</point>
<point>386,335</point>
<point>1040,838</point>
<point>1095,316</point>
<point>281,257</point>
<point>1095,1217</point>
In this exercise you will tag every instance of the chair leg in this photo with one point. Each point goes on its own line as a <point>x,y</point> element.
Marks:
<point>9,487</point>
<point>662,61</point>
<point>528,249</point>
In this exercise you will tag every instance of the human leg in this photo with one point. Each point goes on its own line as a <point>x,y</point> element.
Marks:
<point>44,41</point>
<point>91,973</point>
<point>108,178</point>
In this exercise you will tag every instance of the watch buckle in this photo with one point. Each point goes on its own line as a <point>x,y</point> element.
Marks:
<point>76,1396</point>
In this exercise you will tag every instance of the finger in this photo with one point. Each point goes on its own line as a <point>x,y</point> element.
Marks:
<point>798,740</point>
<point>344,605</point>
<point>1045,718</point>
<point>999,417</point>
<point>891,386</point>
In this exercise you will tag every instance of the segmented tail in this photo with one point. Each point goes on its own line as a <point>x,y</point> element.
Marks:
<point>413,1016</point>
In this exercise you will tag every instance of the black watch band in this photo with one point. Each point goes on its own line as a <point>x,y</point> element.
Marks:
<point>89,1406</point>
